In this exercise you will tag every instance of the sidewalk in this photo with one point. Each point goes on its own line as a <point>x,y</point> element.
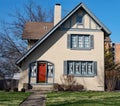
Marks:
<point>38,98</point>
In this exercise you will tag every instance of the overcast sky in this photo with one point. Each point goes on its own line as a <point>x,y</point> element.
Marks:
<point>107,11</point>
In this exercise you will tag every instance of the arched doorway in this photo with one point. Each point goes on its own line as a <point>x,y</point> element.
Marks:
<point>41,72</point>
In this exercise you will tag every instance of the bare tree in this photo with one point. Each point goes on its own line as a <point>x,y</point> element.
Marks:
<point>32,13</point>
<point>11,44</point>
<point>112,70</point>
<point>9,52</point>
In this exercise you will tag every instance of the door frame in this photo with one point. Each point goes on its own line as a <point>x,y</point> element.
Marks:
<point>47,77</point>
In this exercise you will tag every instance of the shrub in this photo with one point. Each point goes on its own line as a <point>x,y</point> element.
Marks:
<point>27,86</point>
<point>62,87</point>
<point>7,89</point>
<point>68,84</point>
<point>23,90</point>
<point>15,89</point>
<point>68,80</point>
<point>58,87</point>
<point>77,87</point>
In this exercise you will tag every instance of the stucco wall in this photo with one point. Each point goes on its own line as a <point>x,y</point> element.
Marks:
<point>54,49</point>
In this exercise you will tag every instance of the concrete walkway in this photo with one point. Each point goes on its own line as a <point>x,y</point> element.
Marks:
<point>38,98</point>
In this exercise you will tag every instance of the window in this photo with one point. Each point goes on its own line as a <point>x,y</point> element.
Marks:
<point>33,69</point>
<point>50,70</point>
<point>79,19</point>
<point>79,41</point>
<point>80,68</point>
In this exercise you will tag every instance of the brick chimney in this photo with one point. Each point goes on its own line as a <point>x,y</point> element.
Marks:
<point>57,13</point>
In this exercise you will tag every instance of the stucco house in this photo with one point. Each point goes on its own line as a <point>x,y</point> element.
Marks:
<point>73,45</point>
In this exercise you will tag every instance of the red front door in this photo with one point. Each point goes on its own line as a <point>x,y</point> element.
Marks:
<point>42,72</point>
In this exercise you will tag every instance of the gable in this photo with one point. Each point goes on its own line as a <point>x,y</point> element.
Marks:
<point>89,17</point>
<point>88,22</point>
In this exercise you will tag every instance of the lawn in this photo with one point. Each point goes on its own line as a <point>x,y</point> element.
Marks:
<point>83,99</point>
<point>12,98</point>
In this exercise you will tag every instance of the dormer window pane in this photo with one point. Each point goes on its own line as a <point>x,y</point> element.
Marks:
<point>79,19</point>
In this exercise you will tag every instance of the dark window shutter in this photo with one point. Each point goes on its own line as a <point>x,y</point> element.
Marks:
<point>95,67</point>
<point>92,41</point>
<point>29,73</point>
<point>69,41</point>
<point>65,68</point>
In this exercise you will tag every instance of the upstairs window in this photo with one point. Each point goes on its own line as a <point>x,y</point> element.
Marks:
<point>79,41</point>
<point>79,19</point>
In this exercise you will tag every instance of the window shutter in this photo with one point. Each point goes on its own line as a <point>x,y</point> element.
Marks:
<point>65,68</point>
<point>92,41</point>
<point>29,73</point>
<point>95,67</point>
<point>69,41</point>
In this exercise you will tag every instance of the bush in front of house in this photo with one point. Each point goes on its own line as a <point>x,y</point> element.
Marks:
<point>23,90</point>
<point>68,84</point>
<point>15,89</point>
<point>62,87</point>
<point>27,86</point>
<point>7,89</point>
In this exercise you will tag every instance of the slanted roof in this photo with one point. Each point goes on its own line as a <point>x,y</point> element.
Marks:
<point>36,30</point>
<point>81,5</point>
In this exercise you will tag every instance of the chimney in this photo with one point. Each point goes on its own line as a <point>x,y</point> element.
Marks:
<point>57,13</point>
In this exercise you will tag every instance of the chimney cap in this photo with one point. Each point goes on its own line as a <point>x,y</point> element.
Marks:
<point>57,4</point>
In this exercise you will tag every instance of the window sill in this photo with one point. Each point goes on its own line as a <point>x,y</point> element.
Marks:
<point>79,23</point>
<point>82,75</point>
<point>50,76</point>
<point>33,76</point>
<point>80,48</point>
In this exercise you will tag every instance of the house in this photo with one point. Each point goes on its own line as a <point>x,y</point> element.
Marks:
<point>73,46</point>
<point>117,52</point>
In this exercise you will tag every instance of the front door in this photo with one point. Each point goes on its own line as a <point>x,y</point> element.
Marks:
<point>42,72</point>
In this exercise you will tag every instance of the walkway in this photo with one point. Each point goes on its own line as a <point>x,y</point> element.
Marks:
<point>38,98</point>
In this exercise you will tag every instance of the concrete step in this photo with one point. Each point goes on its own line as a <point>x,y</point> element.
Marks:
<point>42,87</point>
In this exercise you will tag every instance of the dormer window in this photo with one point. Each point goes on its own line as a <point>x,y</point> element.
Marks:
<point>79,19</point>
<point>45,27</point>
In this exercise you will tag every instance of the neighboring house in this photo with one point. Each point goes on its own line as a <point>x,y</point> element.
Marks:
<point>117,52</point>
<point>9,80</point>
<point>73,46</point>
<point>16,76</point>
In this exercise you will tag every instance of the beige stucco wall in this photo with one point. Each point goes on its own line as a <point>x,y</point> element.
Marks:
<point>54,49</point>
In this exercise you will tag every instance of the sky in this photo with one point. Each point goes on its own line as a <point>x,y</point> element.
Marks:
<point>107,11</point>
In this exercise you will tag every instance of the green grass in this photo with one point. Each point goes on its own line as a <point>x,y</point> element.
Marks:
<point>12,98</point>
<point>83,99</point>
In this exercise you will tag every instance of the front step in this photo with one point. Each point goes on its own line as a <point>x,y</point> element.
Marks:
<point>42,87</point>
